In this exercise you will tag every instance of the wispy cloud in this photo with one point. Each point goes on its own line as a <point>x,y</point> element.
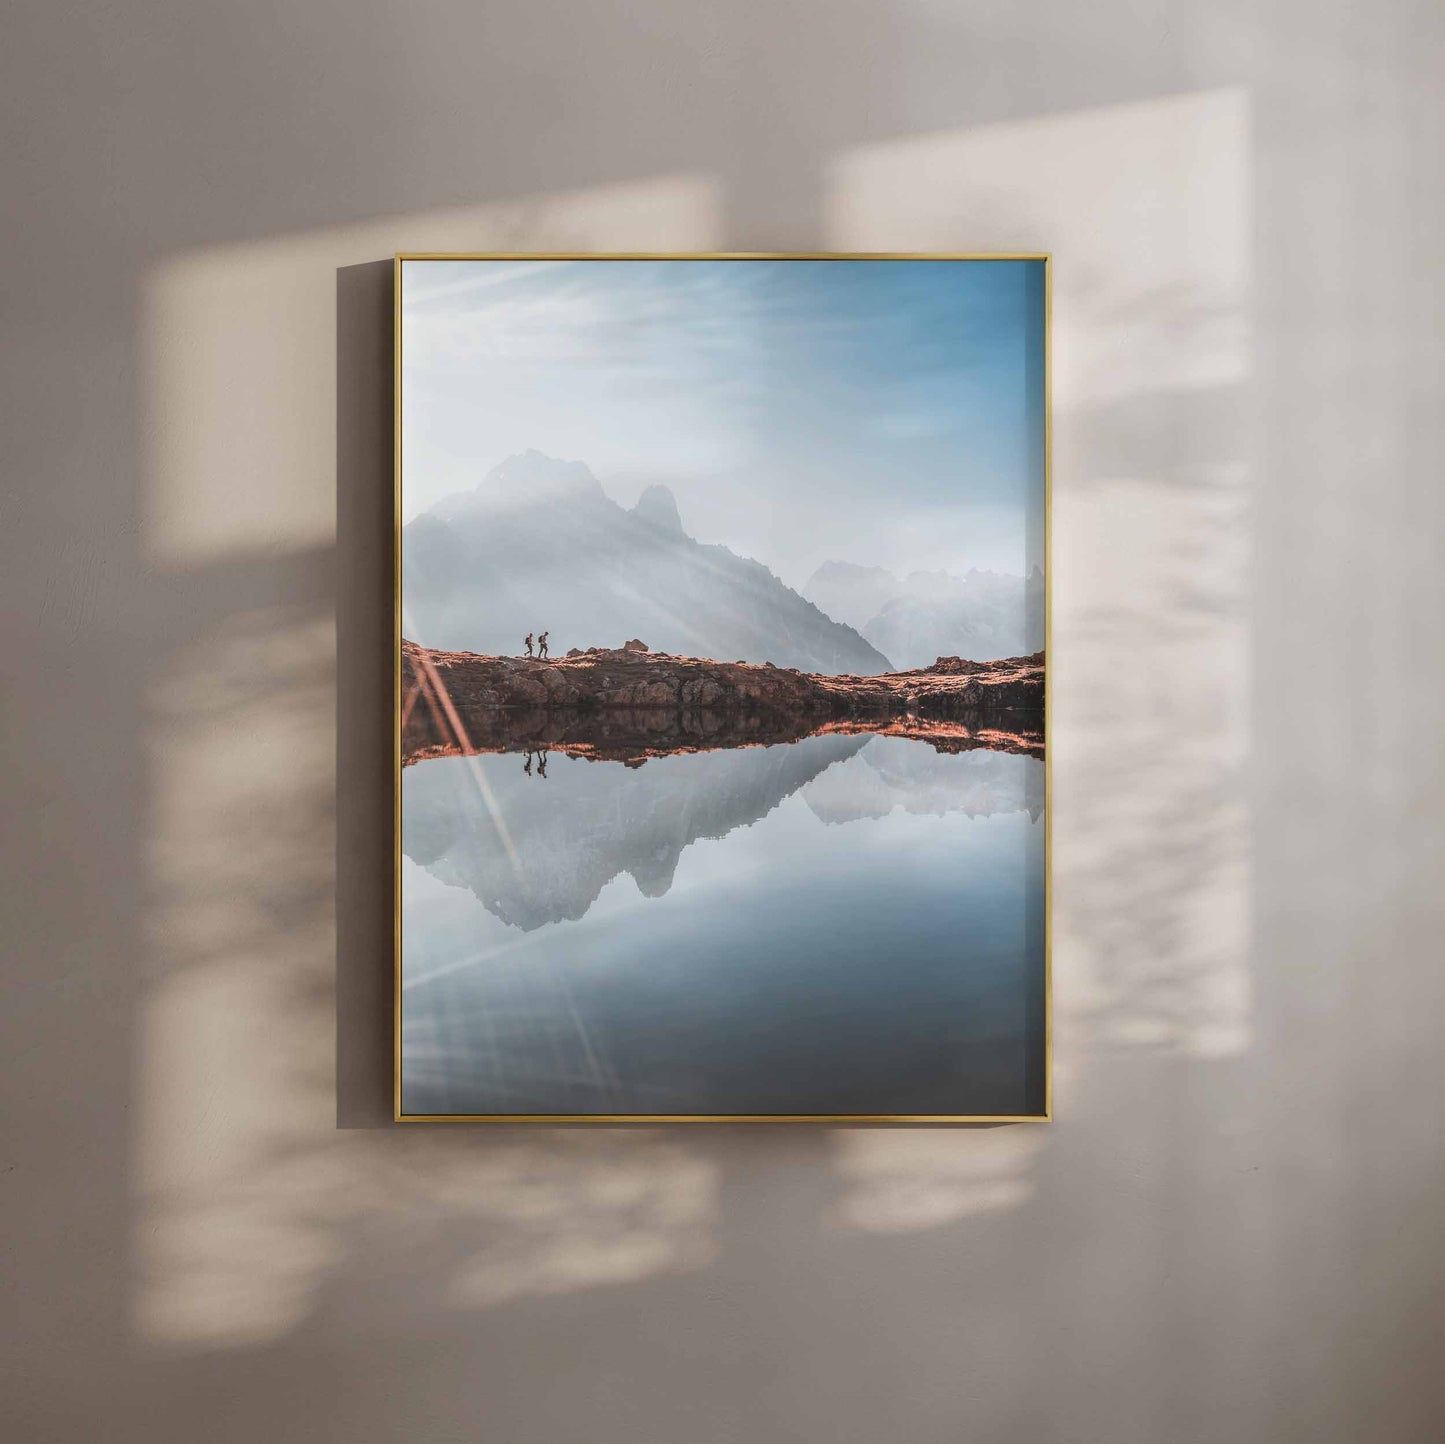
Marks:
<point>471,278</point>
<point>854,395</point>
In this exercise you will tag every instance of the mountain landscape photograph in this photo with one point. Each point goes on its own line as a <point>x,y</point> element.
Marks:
<point>721,680</point>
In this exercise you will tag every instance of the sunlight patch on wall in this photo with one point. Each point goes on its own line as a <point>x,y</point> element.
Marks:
<point>896,1182</point>
<point>1145,208</point>
<point>235,1170</point>
<point>598,1207</point>
<point>239,353</point>
<point>255,1216</point>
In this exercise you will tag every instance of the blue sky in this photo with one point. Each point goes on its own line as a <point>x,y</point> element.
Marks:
<point>881,412</point>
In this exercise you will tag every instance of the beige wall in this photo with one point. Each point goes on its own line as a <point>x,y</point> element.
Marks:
<point>1231,1231</point>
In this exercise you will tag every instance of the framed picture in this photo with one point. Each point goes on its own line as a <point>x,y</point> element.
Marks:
<point>721,623</point>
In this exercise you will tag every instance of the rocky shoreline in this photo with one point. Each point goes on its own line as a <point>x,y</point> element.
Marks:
<point>629,703</point>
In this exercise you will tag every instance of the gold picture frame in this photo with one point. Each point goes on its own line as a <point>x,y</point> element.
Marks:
<point>610,1119</point>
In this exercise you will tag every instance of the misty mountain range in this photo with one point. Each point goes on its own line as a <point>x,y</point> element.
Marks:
<point>926,615</point>
<point>539,545</point>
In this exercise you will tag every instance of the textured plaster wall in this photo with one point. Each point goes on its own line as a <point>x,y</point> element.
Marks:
<point>1231,1231</point>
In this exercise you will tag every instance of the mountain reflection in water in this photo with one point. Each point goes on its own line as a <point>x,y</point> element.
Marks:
<point>847,923</point>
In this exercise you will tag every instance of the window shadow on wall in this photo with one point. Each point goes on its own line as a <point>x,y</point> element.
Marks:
<point>265,1228</point>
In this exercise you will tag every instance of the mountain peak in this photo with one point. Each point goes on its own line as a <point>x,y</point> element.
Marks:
<point>533,476</point>
<point>658,507</point>
<point>528,479</point>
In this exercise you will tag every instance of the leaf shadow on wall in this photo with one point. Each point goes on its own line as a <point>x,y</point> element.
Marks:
<point>281,1211</point>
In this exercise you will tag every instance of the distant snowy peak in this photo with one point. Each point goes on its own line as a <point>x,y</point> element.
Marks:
<point>981,614</point>
<point>836,573</point>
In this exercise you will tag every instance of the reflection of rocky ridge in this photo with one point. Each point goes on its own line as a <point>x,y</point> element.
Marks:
<point>576,829</point>
<point>892,772</point>
<point>633,735</point>
<point>436,682</point>
<point>539,544</point>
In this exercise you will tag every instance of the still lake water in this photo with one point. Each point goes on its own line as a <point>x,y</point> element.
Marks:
<point>836,925</point>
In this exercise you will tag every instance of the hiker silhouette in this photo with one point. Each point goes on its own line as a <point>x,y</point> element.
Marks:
<point>542,644</point>
<point>542,763</point>
<point>529,644</point>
